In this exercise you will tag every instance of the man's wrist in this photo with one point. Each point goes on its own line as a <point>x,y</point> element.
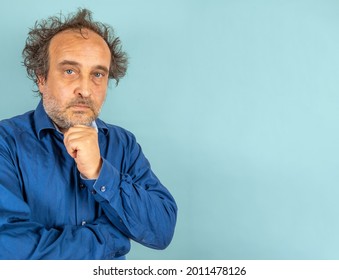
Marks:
<point>93,175</point>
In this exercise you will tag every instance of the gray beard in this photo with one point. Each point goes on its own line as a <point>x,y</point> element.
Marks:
<point>63,120</point>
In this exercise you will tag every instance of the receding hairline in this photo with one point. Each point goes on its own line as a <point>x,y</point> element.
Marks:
<point>81,32</point>
<point>78,33</point>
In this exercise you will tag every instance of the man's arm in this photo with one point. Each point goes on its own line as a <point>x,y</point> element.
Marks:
<point>23,238</point>
<point>134,199</point>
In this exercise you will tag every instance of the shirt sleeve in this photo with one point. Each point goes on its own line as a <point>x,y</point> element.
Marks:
<point>135,201</point>
<point>23,238</point>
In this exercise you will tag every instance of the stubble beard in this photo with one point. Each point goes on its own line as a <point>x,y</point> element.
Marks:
<point>67,117</point>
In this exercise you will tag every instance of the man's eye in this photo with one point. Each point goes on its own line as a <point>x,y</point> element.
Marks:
<point>69,71</point>
<point>98,75</point>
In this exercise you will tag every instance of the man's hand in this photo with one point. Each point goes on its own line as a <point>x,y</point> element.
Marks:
<point>82,144</point>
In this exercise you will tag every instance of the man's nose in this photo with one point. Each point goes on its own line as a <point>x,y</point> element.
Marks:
<point>84,87</point>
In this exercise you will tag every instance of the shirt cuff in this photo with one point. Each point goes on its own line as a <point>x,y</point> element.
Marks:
<point>104,187</point>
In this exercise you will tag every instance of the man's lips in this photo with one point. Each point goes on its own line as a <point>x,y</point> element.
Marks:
<point>80,106</point>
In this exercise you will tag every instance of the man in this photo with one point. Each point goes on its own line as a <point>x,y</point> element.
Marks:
<point>72,186</point>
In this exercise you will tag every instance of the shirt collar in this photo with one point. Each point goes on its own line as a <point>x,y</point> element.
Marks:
<point>43,122</point>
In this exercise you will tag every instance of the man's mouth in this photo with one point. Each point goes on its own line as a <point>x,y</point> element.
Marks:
<point>80,106</point>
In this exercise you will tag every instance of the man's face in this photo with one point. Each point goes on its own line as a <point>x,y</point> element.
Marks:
<point>77,79</point>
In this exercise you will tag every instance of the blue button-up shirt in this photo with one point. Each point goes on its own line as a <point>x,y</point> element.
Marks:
<point>48,211</point>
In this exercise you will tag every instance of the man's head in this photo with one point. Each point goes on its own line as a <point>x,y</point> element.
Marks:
<point>71,61</point>
<point>36,51</point>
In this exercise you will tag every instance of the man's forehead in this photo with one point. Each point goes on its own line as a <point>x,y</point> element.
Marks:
<point>78,42</point>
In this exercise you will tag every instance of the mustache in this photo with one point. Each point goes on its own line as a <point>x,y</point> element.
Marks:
<point>81,101</point>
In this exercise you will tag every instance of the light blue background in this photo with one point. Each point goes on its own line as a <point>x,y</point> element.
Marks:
<point>236,105</point>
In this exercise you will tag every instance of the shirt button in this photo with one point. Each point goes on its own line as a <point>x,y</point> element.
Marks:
<point>93,192</point>
<point>103,189</point>
<point>83,222</point>
<point>82,186</point>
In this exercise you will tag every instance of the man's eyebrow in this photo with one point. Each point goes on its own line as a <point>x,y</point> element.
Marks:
<point>74,63</point>
<point>101,67</point>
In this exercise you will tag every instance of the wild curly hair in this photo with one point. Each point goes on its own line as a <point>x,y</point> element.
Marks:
<point>36,55</point>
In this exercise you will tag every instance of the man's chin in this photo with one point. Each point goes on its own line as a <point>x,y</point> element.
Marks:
<point>81,119</point>
<point>81,122</point>
<point>64,126</point>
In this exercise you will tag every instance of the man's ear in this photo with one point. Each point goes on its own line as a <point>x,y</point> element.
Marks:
<point>41,82</point>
